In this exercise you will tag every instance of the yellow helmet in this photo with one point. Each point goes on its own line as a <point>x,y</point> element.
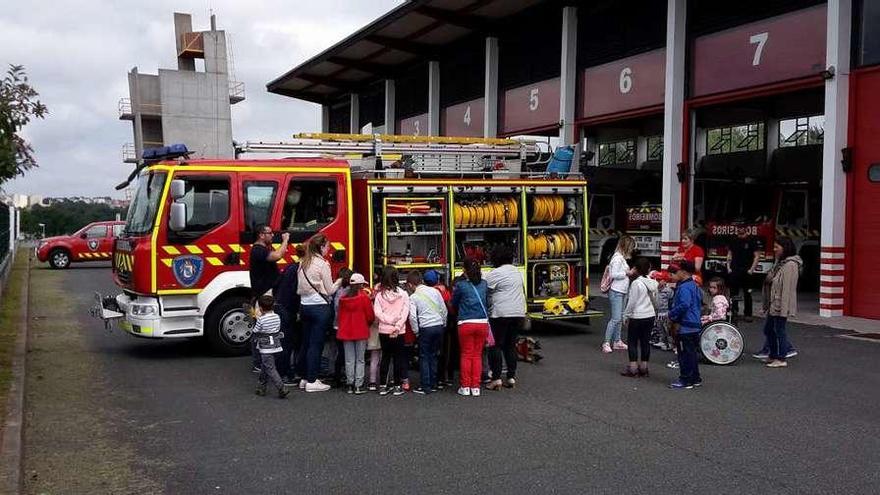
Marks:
<point>578,304</point>
<point>553,306</point>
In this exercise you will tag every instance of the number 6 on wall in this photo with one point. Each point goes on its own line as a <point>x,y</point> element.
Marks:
<point>626,81</point>
<point>760,39</point>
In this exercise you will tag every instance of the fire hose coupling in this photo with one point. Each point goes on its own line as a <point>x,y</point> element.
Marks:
<point>144,309</point>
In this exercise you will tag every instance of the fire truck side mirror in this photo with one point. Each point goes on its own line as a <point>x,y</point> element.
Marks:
<point>177,217</point>
<point>178,189</point>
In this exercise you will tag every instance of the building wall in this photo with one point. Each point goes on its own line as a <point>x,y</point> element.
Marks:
<point>196,112</point>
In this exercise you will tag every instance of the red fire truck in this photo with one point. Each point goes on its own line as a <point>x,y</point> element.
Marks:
<point>416,203</point>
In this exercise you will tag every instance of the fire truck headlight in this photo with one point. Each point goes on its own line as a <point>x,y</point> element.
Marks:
<point>144,310</point>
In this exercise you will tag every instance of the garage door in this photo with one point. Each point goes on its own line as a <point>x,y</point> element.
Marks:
<point>865,229</point>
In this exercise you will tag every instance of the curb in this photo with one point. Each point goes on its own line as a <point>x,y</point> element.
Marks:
<point>11,446</point>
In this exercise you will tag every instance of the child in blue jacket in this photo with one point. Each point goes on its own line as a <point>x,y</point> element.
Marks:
<point>685,310</point>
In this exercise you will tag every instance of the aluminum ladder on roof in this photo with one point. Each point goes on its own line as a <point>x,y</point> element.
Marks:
<point>421,154</point>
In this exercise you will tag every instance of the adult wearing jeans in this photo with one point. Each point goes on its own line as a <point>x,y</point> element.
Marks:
<point>780,299</point>
<point>469,299</point>
<point>315,287</point>
<point>507,311</point>
<point>263,271</point>
<point>620,273</point>
<point>427,318</point>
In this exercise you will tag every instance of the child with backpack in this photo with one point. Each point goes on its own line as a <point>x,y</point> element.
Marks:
<point>268,335</point>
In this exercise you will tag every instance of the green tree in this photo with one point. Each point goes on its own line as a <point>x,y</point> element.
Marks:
<point>65,217</point>
<point>18,104</point>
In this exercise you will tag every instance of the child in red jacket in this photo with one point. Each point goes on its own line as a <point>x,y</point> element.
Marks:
<point>355,317</point>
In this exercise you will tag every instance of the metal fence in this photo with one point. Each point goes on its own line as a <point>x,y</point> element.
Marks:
<point>7,232</point>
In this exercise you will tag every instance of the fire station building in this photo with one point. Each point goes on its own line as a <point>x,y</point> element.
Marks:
<point>762,114</point>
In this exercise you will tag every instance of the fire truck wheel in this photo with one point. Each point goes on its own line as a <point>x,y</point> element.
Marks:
<point>228,327</point>
<point>59,258</point>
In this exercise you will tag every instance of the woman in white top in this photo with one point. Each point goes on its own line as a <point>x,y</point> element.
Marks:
<point>315,286</point>
<point>620,273</point>
<point>640,312</point>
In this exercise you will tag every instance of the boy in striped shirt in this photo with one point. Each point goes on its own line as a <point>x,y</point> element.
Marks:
<point>267,331</point>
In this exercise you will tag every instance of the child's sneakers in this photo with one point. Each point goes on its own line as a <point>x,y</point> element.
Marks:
<point>372,387</point>
<point>384,390</point>
<point>606,348</point>
<point>672,365</point>
<point>283,393</point>
<point>475,392</point>
<point>464,391</point>
<point>398,390</point>
<point>620,346</point>
<point>678,385</point>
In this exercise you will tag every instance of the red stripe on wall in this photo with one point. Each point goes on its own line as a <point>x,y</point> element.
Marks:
<point>832,284</point>
<point>832,249</point>
<point>832,306</point>
<point>832,273</point>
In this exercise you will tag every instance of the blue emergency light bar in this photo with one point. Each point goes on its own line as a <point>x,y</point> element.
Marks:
<point>165,152</point>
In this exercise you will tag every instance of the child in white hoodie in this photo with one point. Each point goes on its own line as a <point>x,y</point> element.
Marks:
<point>639,313</point>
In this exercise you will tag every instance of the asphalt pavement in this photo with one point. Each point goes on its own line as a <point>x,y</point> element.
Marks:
<point>572,425</point>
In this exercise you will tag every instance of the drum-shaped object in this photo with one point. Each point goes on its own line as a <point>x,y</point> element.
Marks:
<point>721,343</point>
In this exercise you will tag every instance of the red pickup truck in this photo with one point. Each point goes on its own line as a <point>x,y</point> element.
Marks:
<point>93,242</point>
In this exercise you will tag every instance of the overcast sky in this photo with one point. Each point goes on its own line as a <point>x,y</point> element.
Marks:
<point>78,54</point>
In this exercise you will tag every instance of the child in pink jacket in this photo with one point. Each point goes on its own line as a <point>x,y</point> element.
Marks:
<point>391,307</point>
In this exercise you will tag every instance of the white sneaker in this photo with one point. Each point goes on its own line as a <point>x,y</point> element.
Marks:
<point>475,392</point>
<point>317,386</point>
<point>464,391</point>
<point>302,383</point>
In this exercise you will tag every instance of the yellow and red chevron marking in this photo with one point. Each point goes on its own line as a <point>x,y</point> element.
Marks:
<point>223,249</point>
<point>123,261</point>
<point>97,255</point>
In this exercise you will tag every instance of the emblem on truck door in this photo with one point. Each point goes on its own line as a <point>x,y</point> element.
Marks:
<point>93,244</point>
<point>187,269</point>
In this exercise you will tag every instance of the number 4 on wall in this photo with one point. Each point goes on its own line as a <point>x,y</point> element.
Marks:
<point>760,40</point>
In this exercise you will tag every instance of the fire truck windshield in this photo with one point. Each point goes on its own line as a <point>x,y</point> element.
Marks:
<point>142,212</point>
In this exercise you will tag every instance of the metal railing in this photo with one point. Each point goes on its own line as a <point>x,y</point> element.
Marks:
<point>129,154</point>
<point>126,109</point>
<point>236,91</point>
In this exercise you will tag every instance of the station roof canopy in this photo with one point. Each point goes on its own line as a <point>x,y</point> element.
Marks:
<point>416,30</point>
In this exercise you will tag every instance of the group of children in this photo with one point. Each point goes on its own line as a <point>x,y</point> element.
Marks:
<point>385,321</point>
<point>677,318</point>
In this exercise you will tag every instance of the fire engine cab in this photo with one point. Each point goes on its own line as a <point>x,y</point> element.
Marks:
<point>415,203</point>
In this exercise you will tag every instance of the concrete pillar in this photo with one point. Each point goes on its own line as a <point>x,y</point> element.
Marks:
<point>355,114</point>
<point>673,121</point>
<point>390,118</point>
<point>433,98</point>
<point>568,76</point>
<point>833,255</point>
<point>134,94</point>
<point>183,25</point>
<point>325,118</point>
<point>490,107</point>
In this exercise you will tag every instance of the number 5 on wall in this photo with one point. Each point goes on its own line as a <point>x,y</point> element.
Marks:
<point>533,99</point>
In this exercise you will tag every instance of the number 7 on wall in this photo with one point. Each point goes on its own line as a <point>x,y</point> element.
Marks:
<point>760,39</point>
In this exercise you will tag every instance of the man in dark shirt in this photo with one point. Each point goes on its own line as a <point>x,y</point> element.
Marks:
<point>264,261</point>
<point>264,272</point>
<point>743,255</point>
